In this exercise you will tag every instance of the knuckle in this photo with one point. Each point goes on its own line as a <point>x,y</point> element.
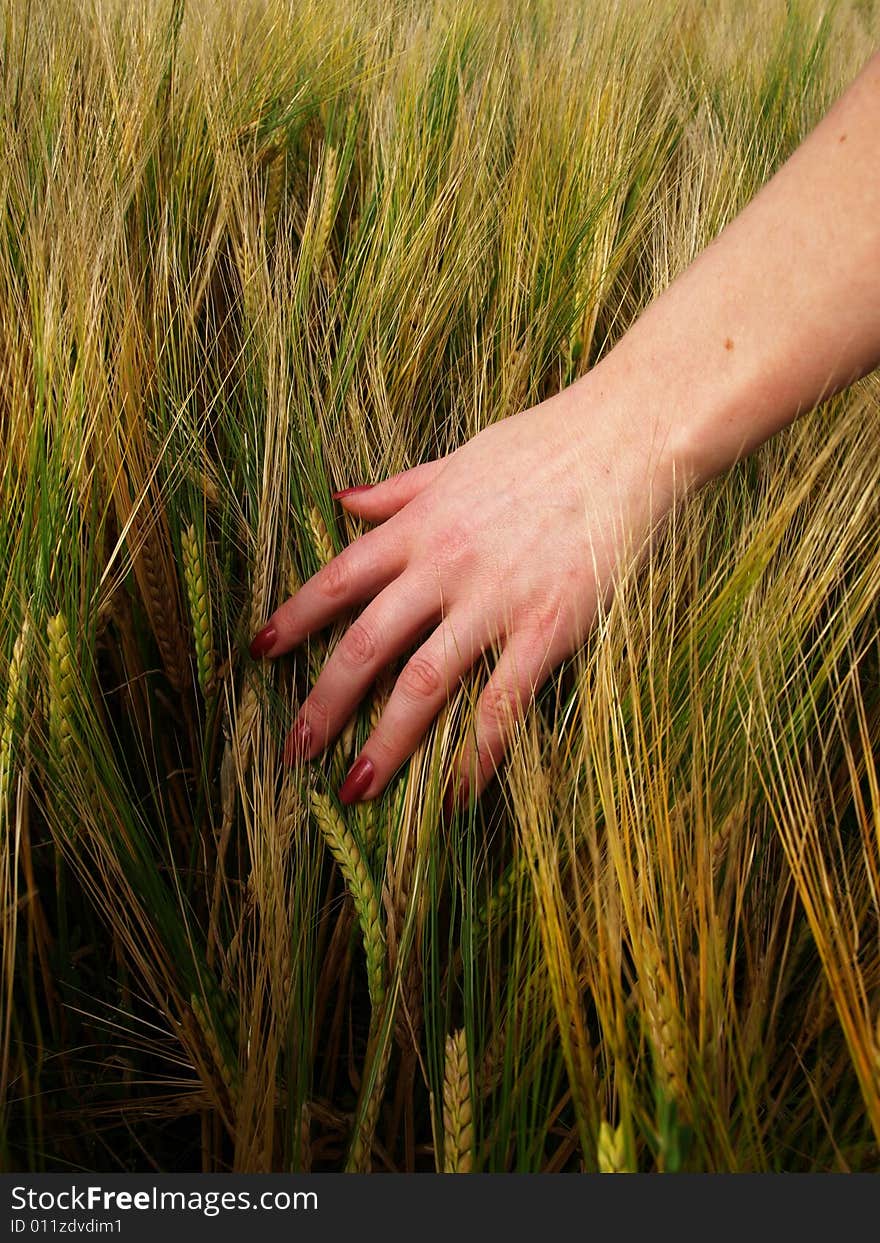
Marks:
<point>335,577</point>
<point>358,646</point>
<point>499,706</point>
<point>421,677</point>
<point>316,710</point>
<point>453,545</point>
<point>383,749</point>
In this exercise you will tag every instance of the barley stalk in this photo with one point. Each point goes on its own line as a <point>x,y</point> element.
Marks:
<point>458,1131</point>
<point>200,610</point>
<point>360,885</point>
<point>60,686</point>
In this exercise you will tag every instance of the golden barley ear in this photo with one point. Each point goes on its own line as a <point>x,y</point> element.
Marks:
<point>61,686</point>
<point>216,1042</point>
<point>324,549</point>
<point>276,182</point>
<point>458,1131</point>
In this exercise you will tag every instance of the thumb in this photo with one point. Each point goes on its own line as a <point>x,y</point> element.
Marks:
<point>376,502</point>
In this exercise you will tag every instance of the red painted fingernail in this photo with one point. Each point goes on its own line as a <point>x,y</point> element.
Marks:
<point>299,742</point>
<point>263,641</point>
<point>361,487</point>
<point>355,785</point>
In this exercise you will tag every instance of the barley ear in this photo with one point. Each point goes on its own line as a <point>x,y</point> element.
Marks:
<point>458,1131</point>
<point>323,543</point>
<point>14,687</point>
<point>200,610</point>
<point>360,885</point>
<point>276,179</point>
<point>215,1042</point>
<point>362,1142</point>
<point>611,1150</point>
<point>60,686</point>
<point>322,256</point>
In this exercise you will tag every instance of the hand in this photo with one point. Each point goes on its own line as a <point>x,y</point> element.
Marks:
<point>508,542</point>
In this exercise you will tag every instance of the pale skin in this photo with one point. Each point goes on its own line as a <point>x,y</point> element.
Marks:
<point>508,544</point>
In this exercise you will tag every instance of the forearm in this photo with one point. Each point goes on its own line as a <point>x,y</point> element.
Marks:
<point>779,312</point>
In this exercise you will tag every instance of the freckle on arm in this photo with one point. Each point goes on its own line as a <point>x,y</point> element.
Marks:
<point>728,343</point>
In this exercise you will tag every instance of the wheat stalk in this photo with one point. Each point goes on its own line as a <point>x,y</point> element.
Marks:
<point>200,610</point>
<point>458,1131</point>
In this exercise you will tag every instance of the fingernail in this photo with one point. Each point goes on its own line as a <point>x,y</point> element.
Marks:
<point>299,742</point>
<point>361,487</point>
<point>355,785</point>
<point>263,642</point>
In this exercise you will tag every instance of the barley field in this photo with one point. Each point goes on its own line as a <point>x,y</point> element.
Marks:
<point>254,252</point>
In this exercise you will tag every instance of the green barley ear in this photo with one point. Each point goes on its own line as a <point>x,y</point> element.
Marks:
<point>458,1131</point>
<point>611,1150</point>
<point>200,610</point>
<point>14,687</point>
<point>360,885</point>
<point>60,686</point>
<point>497,906</point>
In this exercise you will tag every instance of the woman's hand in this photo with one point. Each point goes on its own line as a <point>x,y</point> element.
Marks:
<point>508,543</point>
<point>512,540</point>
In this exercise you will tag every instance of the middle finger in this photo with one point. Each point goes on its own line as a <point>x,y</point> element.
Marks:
<point>390,624</point>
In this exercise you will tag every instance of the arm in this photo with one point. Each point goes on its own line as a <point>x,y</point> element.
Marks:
<point>781,311</point>
<point>511,541</point>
